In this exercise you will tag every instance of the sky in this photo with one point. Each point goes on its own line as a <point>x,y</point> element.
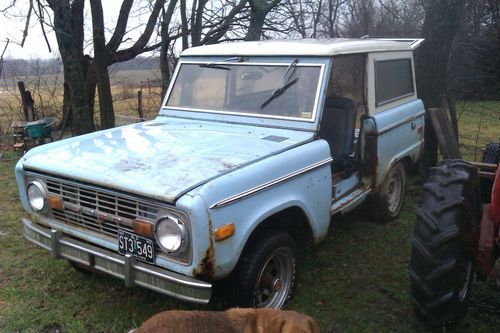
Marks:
<point>13,21</point>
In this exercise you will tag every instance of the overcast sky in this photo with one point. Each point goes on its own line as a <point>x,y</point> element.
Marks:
<point>12,25</point>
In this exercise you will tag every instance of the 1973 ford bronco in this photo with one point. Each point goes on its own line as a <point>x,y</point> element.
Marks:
<point>256,146</point>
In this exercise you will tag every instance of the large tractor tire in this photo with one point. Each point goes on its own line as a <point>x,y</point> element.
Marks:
<point>441,269</point>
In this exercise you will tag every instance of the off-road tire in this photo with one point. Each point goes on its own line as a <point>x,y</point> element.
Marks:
<point>491,155</point>
<point>381,207</point>
<point>441,269</point>
<point>245,280</point>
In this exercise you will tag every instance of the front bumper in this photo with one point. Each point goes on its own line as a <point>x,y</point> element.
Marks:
<point>122,267</point>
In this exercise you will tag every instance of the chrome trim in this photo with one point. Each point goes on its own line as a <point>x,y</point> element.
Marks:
<point>242,114</point>
<point>269,184</point>
<point>401,122</point>
<point>109,228</point>
<point>43,189</point>
<point>131,271</point>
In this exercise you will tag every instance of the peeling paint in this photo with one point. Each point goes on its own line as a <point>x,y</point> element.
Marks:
<point>131,165</point>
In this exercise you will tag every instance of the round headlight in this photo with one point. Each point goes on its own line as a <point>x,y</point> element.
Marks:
<point>37,195</point>
<point>171,234</point>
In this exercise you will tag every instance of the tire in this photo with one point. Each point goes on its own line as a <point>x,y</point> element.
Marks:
<point>491,155</point>
<point>441,271</point>
<point>268,262</point>
<point>386,205</point>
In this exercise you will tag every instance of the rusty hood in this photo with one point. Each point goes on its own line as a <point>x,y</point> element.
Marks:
<point>163,158</point>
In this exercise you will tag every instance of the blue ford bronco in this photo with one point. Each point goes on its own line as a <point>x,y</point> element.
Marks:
<point>256,146</point>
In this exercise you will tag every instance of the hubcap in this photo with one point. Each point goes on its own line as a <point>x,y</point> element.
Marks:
<point>275,279</point>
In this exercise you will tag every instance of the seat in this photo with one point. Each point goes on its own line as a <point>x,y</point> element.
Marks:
<point>337,128</point>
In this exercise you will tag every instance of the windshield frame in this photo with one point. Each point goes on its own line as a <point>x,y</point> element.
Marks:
<point>321,63</point>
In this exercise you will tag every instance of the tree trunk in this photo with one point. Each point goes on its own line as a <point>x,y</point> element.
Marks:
<point>82,122</point>
<point>100,60</point>
<point>442,19</point>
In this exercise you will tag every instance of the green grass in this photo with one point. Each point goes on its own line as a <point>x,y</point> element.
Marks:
<point>478,121</point>
<point>355,281</point>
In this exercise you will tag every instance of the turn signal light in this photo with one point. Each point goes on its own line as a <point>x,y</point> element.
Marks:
<point>143,228</point>
<point>55,202</point>
<point>224,232</point>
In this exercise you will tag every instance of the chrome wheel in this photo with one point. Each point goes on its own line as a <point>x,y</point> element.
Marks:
<point>394,191</point>
<point>275,279</point>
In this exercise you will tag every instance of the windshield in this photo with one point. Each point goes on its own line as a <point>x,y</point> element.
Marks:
<point>287,90</point>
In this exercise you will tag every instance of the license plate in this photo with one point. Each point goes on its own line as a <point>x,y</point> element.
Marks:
<point>141,248</point>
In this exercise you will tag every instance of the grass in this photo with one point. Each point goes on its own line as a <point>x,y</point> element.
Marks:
<point>355,281</point>
<point>479,121</point>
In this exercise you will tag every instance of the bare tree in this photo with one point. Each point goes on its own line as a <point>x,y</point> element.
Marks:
<point>442,21</point>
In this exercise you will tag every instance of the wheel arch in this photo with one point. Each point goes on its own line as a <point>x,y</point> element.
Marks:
<point>292,220</point>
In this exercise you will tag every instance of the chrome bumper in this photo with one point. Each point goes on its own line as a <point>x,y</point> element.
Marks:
<point>134,273</point>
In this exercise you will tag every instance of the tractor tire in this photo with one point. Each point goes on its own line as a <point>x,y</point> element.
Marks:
<point>491,155</point>
<point>441,270</point>
<point>265,275</point>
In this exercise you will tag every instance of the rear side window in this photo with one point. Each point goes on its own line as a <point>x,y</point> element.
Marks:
<point>393,80</point>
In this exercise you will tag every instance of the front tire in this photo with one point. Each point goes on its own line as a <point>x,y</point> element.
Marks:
<point>441,269</point>
<point>386,205</point>
<point>265,275</point>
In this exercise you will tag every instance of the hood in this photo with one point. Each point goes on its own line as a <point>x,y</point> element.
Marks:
<point>163,158</point>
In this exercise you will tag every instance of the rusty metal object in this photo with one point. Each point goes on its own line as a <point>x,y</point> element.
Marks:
<point>206,269</point>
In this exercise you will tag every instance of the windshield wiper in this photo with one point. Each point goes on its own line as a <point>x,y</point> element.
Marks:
<point>280,90</point>
<point>215,65</point>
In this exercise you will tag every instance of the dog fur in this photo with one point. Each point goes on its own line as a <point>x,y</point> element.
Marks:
<point>230,321</point>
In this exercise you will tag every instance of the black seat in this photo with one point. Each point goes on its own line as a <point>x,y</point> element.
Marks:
<point>337,128</point>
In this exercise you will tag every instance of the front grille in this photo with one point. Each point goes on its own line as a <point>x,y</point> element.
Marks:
<point>98,210</point>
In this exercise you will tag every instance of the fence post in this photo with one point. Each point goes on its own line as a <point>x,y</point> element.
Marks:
<point>139,105</point>
<point>27,101</point>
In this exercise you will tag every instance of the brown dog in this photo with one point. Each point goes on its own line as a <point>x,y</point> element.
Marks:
<point>230,321</point>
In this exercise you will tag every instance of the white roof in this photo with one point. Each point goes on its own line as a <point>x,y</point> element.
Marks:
<point>303,47</point>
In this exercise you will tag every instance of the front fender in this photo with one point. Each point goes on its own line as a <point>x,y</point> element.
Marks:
<point>309,188</point>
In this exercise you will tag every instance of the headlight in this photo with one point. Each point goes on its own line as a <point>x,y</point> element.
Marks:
<point>171,234</point>
<point>37,196</point>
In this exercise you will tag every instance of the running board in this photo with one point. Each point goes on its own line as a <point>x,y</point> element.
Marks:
<point>350,201</point>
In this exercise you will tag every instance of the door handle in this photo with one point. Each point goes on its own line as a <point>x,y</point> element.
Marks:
<point>413,125</point>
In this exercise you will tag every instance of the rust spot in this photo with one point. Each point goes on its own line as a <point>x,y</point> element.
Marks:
<point>206,269</point>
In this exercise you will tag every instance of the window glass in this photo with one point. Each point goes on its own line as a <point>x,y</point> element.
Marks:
<point>393,79</point>
<point>250,89</point>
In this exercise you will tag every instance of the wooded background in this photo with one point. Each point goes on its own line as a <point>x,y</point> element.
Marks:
<point>459,60</point>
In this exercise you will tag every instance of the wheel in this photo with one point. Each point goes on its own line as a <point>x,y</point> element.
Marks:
<point>441,269</point>
<point>491,155</point>
<point>386,205</point>
<point>265,275</point>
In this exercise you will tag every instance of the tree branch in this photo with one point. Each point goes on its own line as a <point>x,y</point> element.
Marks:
<point>141,43</point>
<point>27,25</point>
<point>121,26</point>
